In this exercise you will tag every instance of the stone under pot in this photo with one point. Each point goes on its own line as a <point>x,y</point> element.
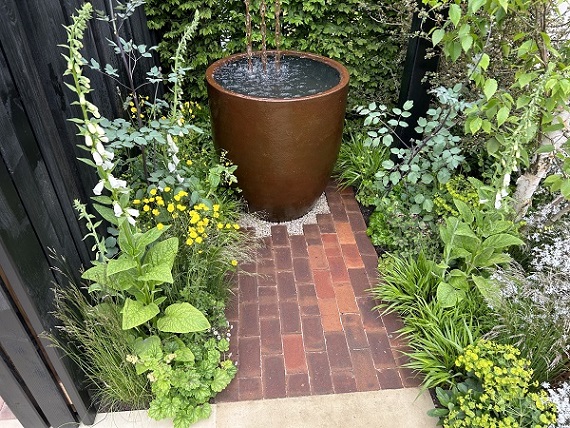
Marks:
<point>285,146</point>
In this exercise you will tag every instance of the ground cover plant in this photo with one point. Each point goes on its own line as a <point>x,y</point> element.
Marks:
<point>488,219</point>
<point>149,328</point>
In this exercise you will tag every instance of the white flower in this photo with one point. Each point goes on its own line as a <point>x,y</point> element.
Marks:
<point>99,188</point>
<point>117,209</point>
<point>100,148</point>
<point>97,158</point>
<point>91,128</point>
<point>116,183</point>
<point>132,212</point>
<point>171,167</point>
<point>88,140</point>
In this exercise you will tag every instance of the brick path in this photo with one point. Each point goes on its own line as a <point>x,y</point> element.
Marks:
<point>303,324</point>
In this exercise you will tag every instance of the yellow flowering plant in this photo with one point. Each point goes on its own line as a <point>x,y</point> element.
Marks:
<point>496,391</point>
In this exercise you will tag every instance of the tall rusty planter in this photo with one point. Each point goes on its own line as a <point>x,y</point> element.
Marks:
<point>285,148</point>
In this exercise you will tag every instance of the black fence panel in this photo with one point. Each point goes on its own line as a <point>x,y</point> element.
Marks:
<point>40,177</point>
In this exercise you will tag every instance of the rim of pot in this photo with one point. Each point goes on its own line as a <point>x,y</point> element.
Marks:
<point>343,72</point>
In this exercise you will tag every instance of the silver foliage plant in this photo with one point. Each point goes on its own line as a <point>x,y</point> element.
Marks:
<point>532,312</point>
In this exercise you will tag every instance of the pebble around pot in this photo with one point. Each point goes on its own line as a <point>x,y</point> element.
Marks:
<point>285,147</point>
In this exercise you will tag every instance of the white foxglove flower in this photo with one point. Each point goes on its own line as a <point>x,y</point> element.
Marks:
<point>88,140</point>
<point>91,128</point>
<point>100,148</point>
<point>99,188</point>
<point>132,212</point>
<point>171,167</point>
<point>116,183</point>
<point>97,158</point>
<point>117,209</point>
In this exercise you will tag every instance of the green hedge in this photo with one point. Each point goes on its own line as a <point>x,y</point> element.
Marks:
<point>347,30</point>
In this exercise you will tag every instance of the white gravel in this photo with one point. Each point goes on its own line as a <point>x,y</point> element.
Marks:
<point>262,228</point>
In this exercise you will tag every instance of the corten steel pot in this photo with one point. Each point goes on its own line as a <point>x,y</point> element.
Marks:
<point>285,148</point>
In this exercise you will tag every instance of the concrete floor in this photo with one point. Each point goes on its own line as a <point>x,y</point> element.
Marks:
<point>394,408</point>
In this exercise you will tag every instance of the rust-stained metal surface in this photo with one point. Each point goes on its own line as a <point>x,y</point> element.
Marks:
<point>285,149</point>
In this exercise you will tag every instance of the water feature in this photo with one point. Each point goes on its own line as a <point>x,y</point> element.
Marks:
<point>297,76</point>
<point>263,29</point>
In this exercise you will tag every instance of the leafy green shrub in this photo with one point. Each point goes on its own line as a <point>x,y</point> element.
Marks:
<point>369,38</point>
<point>458,187</point>
<point>496,391</point>
<point>183,376</point>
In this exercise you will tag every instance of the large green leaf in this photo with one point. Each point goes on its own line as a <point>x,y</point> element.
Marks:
<point>501,240</point>
<point>136,313</point>
<point>157,274</point>
<point>149,347</point>
<point>162,253</point>
<point>464,210</point>
<point>182,318</point>
<point>143,240</point>
<point>220,381</point>
<point>121,264</point>
<point>97,274</point>
<point>488,289</point>
<point>447,296</point>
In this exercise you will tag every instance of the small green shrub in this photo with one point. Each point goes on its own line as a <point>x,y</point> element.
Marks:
<point>357,166</point>
<point>496,391</point>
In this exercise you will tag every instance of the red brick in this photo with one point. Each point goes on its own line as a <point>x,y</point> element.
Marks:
<point>410,378</point>
<point>370,316</point>
<point>249,363</point>
<point>319,373</point>
<point>313,337</point>
<point>343,382</point>
<point>268,307</point>
<point>273,376</point>
<point>248,267</point>
<point>317,257</point>
<point>380,348</point>
<point>351,205</point>
<point>294,353</point>
<point>346,192</point>
<point>344,233</point>
<point>338,212</point>
<point>323,284</point>
<point>364,371</point>
<point>265,266</point>
<point>250,389</point>
<point>279,236</point>
<point>286,286</point>
<point>265,250</point>
<point>325,222</point>
<point>389,379</point>
<point>364,245</point>
<point>247,288</point>
<point>249,319</point>
<point>302,270</point>
<point>356,222</point>
<point>393,324</point>
<point>351,256</point>
<point>330,240</point>
<point>270,335</point>
<point>298,246</point>
<point>333,251</point>
<point>290,318</point>
<point>345,299</point>
<point>355,336</point>
<point>298,385</point>
<point>328,306</point>
<point>331,322</point>
<point>334,198</point>
<point>359,281</point>
<point>283,259</point>
<point>338,269</point>
<point>337,350</point>
<point>267,280</point>
<point>312,234</point>
<point>371,265</point>
<point>306,290</point>
<point>308,305</point>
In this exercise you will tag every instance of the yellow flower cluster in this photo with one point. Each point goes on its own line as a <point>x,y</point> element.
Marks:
<point>456,188</point>
<point>497,390</point>
<point>168,206</point>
